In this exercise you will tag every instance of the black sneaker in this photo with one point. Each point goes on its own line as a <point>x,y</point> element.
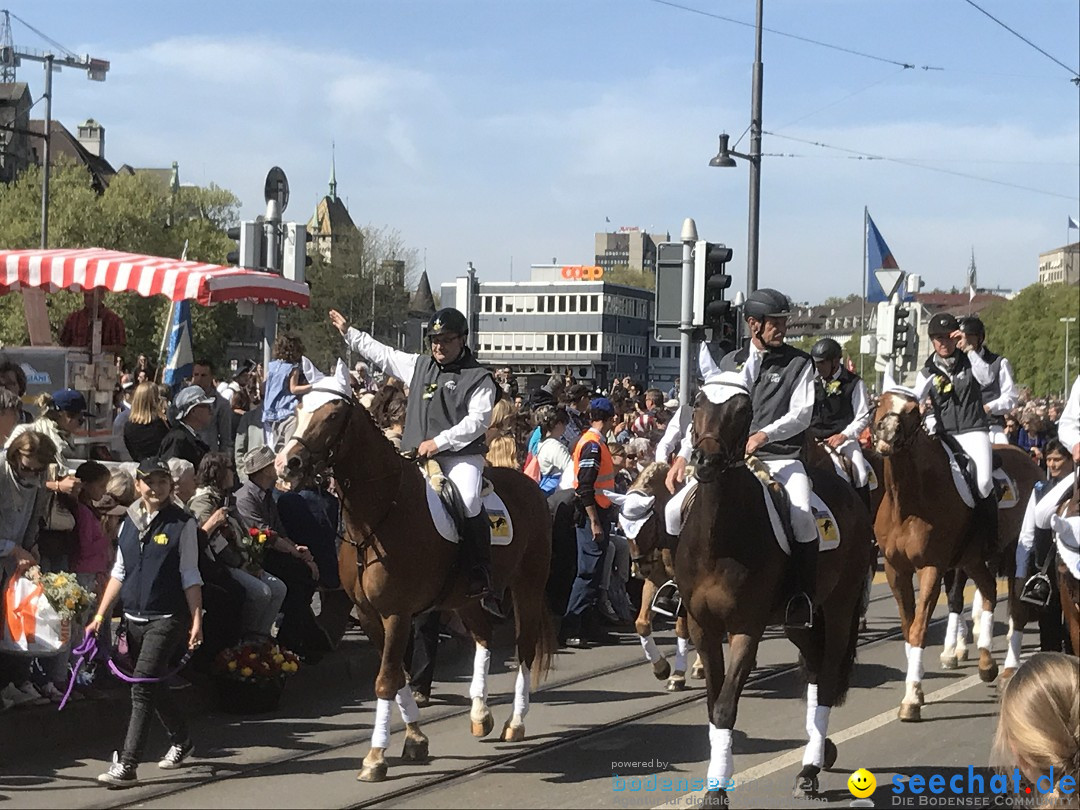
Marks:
<point>176,755</point>
<point>800,613</point>
<point>119,775</point>
<point>1037,590</point>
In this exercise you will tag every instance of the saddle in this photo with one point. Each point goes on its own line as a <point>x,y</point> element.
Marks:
<point>448,510</point>
<point>778,494</point>
<point>1004,486</point>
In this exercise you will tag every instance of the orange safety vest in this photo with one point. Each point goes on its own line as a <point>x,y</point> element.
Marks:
<point>605,479</point>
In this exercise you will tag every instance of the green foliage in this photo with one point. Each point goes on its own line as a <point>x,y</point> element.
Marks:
<point>621,274</point>
<point>1026,329</point>
<point>805,343</point>
<point>137,213</point>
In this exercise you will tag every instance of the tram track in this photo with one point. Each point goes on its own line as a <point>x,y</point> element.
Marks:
<point>535,749</point>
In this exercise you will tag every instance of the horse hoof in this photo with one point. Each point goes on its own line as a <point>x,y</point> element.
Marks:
<point>661,669</point>
<point>919,697</point>
<point>483,728</point>
<point>1007,673</point>
<point>513,733</point>
<point>961,654</point>
<point>989,674</point>
<point>949,662</point>
<point>830,753</point>
<point>415,750</point>
<point>697,673</point>
<point>909,713</point>
<point>677,682</point>
<point>806,783</point>
<point>372,773</point>
<point>715,798</point>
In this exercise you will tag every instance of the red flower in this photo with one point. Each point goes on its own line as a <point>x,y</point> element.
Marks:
<point>253,532</point>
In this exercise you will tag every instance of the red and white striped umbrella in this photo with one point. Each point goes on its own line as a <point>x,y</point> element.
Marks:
<point>114,270</point>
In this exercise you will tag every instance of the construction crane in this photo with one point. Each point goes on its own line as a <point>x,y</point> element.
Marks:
<point>10,58</point>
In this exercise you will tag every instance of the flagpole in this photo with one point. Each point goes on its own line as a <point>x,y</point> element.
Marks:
<point>168,325</point>
<point>862,319</point>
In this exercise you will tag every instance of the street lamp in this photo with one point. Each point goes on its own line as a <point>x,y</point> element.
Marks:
<point>1067,321</point>
<point>723,160</point>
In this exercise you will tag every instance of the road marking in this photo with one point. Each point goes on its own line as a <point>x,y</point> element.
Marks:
<point>795,757</point>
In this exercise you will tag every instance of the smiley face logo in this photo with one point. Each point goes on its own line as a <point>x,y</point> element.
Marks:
<point>862,784</point>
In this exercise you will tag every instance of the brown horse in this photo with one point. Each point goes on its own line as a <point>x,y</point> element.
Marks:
<point>734,579</point>
<point>396,565</point>
<point>1069,585</point>
<point>924,527</point>
<point>651,549</point>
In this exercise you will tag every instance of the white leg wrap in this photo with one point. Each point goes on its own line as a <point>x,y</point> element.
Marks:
<point>817,725</point>
<point>652,652</point>
<point>721,763</point>
<point>682,646</point>
<point>914,665</point>
<point>406,704</point>
<point>481,663</point>
<point>986,629</point>
<point>1016,637</point>
<point>907,652</point>
<point>380,734</point>
<point>951,631</point>
<point>976,606</point>
<point>521,695</point>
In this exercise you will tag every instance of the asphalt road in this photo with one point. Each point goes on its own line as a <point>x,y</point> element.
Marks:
<point>600,722</point>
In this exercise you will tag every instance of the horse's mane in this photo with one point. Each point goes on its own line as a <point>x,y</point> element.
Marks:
<point>647,478</point>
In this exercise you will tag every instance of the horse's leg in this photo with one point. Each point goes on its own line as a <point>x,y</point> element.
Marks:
<point>677,681</point>
<point>904,594</point>
<point>929,589</point>
<point>389,683</point>
<point>477,622</point>
<point>987,585</point>
<point>724,710</point>
<point>954,582</point>
<point>1018,619</point>
<point>643,625</point>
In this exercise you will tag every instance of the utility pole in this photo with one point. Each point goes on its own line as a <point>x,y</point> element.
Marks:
<point>686,315</point>
<point>754,224</point>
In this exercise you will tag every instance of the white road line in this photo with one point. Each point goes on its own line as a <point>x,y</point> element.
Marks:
<point>795,757</point>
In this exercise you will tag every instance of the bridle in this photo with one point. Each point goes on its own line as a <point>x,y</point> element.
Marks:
<point>902,438</point>
<point>726,458</point>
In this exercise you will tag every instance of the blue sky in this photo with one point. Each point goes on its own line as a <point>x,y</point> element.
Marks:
<point>489,129</point>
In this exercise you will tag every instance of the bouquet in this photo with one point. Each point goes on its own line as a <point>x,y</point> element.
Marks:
<point>253,546</point>
<point>255,663</point>
<point>67,597</point>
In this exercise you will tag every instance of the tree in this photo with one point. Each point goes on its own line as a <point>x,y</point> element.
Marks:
<point>1026,329</point>
<point>622,274</point>
<point>835,301</point>
<point>137,213</point>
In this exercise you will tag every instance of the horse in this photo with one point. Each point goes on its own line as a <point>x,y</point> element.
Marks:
<point>651,552</point>
<point>395,565</point>
<point>924,527</point>
<point>734,579</point>
<point>1068,584</point>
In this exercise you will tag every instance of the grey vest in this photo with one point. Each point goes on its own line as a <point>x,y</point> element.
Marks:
<point>439,399</point>
<point>993,390</point>
<point>960,408</point>
<point>771,397</point>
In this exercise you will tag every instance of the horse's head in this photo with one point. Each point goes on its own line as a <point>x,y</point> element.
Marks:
<point>320,433</point>
<point>897,422</point>
<point>722,416</point>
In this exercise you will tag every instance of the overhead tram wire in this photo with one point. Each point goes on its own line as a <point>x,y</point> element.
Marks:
<point>1076,76</point>
<point>841,48</point>
<point>842,99</point>
<point>905,162</point>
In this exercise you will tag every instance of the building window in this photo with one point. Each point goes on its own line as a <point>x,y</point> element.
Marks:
<point>541,303</point>
<point>573,303</point>
<point>592,342</point>
<point>560,343</point>
<point>498,303</point>
<point>562,303</point>
<point>551,343</point>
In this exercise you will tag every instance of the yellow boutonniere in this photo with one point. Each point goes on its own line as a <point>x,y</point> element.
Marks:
<point>161,539</point>
<point>832,388</point>
<point>943,385</point>
<point>430,389</point>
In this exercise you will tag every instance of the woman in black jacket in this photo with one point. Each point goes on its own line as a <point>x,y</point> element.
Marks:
<point>146,426</point>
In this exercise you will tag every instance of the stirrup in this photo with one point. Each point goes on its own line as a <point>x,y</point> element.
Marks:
<point>1037,590</point>
<point>668,600</point>
<point>794,607</point>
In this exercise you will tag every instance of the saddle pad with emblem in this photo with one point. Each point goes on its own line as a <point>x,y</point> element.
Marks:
<point>828,528</point>
<point>502,528</point>
<point>1008,493</point>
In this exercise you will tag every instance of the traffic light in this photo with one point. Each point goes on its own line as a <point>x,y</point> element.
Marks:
<point>710,281</point>
<point>901,329</point>
<point>251,245</point>
<point>886,329</point>
<point>296,257</point>
<point>668,305</point>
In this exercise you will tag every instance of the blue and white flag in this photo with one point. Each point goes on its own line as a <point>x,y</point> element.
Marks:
<point>1073,224</point>
<point>179,365</point>
<point>878,257</point>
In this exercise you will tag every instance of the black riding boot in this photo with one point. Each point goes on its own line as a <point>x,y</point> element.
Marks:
<point>986,521</point>
<point>477,531</point>
<point>800,607</point>
<point>864,496</point>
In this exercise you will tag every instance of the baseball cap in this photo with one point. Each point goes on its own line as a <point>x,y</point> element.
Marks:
<point>189,398</point>
<point>942,324</point>
<point>153,464</point>
<point>69,400</point>
<point>602,404</point>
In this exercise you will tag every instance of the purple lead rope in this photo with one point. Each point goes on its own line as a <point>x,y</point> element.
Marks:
<point>88,650</point>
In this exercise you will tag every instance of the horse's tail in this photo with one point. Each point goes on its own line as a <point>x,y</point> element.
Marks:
<point>847,663</point>
<point>546,645</point>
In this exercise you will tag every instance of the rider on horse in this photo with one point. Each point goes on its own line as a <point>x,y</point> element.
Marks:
<point>954,377</point>
<point>841,411</point>
<point>999,395</point>
<point>451,397</point>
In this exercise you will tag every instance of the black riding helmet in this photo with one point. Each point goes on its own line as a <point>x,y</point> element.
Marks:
<point>766,303</point>
<point>942,325</point>
<point>447,321</point>
<point>826,349</point>
<point>973,325</point>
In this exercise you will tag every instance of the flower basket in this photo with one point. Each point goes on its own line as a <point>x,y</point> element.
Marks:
<point>249,697</point>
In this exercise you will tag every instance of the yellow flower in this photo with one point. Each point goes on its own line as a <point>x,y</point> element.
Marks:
<point>70,604</point>
<point>246,672</point>
<point>60,581</point>
<point>279,658</point>
<point>232,666</point>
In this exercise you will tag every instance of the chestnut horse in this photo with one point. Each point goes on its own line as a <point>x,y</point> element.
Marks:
<point>734,579</point>
<point>395,565</point>
<point>924,527</point>
<point>652,550</point>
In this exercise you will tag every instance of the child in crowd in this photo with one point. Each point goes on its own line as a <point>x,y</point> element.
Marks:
<point>285,384</point>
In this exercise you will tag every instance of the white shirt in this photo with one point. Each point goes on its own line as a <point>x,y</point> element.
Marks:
<point>677,428</point>
<point>1069,424</point>
<point>980,370</point>
<point>403,364</point>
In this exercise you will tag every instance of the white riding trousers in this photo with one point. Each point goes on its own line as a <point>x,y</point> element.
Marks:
<point>673,510</point>
<point>467,473</point>
<point>852,451</point>
<point>792,477</point>
<point>997,435</point>
<point>976,444</point>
